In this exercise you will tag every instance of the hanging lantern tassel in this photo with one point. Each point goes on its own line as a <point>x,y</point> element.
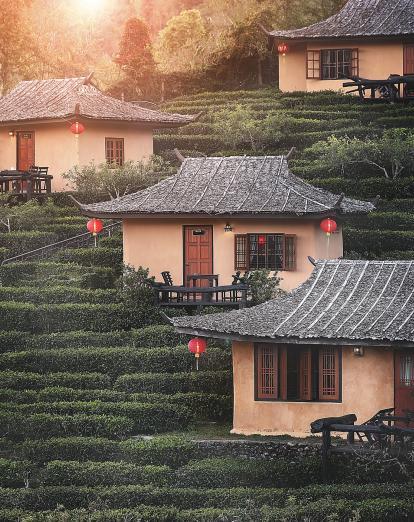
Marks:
<point>197,346</point>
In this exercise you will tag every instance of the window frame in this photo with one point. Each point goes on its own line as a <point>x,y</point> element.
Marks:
<point>114,163</point>
<point>315,64</point>
<point>281,377</point>
<point>242,251</point>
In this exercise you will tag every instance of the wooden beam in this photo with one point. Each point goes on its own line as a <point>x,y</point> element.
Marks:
<point>179,156</point>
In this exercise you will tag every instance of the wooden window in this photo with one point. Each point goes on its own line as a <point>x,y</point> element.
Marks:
<point>407,370</point>
<point>292,373</point>
<point>338,63</point>
<point>240,252</point>
<point>270,251</point>
<point>328,374</point>
<point>267,371</point>
<point>114,151</point>
<point>313,65</point>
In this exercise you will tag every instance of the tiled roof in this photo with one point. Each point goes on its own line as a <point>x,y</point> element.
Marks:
<point>360,18</point>
<point>231,185</point>
<point>342,301</point>
<point>70,97</point>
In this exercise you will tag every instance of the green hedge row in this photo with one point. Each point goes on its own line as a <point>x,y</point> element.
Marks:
<point>58,295</point>
<point>144,418</point>
<point>202,405</point>
<point>17,427</point>
<point>100,256</point>
<point>64,231</point>
<point>114,361</point>
<point>20,242</point>
<point>320,511</point>
<point>384,221</point>
<point>132,496</point>
<point>36,381</point>
<point>369,188</point>
<point>377,242</point>
<point>48,273</point>
<point>147,337</point>
<point>62,317</point>
<point>203,381</point>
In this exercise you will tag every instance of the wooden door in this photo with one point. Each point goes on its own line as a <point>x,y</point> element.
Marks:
<point>409,59</point>
<point>404,381</point>
<point>198,250</point>
<point>25,150</point>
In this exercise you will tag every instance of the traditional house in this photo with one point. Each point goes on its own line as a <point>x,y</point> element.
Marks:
<point>343,342</point>
<point>368,38</point>
<point>219,215</point>
<point>36,118</point>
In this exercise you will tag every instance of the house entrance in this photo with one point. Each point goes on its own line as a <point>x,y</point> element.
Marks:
<point>25,150</point>
<point>404,381</point>
<point>198,251</point>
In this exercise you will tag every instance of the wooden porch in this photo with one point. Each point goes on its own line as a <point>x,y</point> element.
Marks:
<point>392,89</point>
<point>21,186</point>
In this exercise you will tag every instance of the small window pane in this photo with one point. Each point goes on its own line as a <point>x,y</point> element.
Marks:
<point>114,151</point>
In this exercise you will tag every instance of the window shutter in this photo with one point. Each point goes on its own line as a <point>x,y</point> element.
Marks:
<point>313,65</point>
<point>305,374</point>
<point>267,371</point>
<point>240,252</point>
<point>328,374</point>
<point>290,252</point>
<point>355,62</point>
<point>283,372</point>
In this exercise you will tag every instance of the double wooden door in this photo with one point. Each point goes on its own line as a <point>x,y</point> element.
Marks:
<point>404,381</point>
<point>25,150</point>
<point>198,251</point>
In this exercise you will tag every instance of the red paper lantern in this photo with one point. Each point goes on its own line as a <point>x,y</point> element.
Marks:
<point>282,49</point>
<point>329,226</point>
<point>77,128</point>
<point>197,346</point>
<point>94,226</point>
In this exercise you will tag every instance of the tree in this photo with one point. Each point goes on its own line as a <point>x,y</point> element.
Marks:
<point>96,181</point>
<point>135,58</point>
<point>16,48</point>
<point>392,153</point>
<point>179,45</point>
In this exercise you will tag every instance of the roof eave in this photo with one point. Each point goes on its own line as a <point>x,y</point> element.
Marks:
<point>304,39</point>
<point>205,215</point>
<point>293,340</point>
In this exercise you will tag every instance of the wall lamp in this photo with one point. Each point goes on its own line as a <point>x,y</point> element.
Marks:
<point>12,133</point>
<point>228,228</point>
<point>359,351</point>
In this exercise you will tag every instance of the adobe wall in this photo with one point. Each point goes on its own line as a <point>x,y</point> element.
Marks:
<point>157,244</point>
<point>57,148</point>
<point>367,386</point>
<point>376,60</point>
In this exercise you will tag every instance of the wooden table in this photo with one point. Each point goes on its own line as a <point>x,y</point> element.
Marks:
<point>212,279</point>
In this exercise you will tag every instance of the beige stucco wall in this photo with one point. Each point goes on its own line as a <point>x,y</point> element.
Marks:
<point>376,60</point>
<point>370,376</point>
<point>157,244</point>
<point>57,148</point>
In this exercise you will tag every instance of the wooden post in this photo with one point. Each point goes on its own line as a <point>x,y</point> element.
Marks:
<point>326,444</point>
<point>29,188</point>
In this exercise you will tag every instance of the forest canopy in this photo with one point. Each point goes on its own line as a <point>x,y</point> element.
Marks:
<point>137,48</point>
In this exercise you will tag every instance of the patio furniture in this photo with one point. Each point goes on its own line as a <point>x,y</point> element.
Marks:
<point>24,185</point>
<point>391,89</point>
<point>211,279</point>
<point>381,432</point>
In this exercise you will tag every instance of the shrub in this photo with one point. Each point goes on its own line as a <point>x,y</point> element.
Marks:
<point>370,242</point>
<point>15,474</point>
<point>207,382</point>
<point>100,256</point>
<point>43,425</point>
<point>57,295</point>
<point>68,448</point>
<point>167,450</point>
<point>115,361</point>
<point>145,418</point>
<point>35,381</point>
<point>157,335</point>
<point>74,473</point>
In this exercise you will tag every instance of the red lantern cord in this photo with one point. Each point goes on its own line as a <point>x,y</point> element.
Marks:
<point>329,226</point>
<point>197,346</point>
<point>77,128</point>
<point>94,226</point>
